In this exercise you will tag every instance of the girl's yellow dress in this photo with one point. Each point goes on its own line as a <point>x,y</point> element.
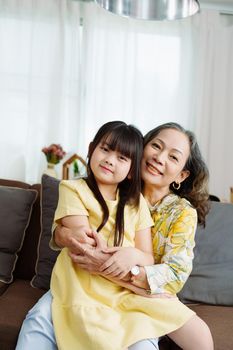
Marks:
<point>91,313</point>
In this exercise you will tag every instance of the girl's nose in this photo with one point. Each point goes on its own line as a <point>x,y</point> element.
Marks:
<point>109,160</point>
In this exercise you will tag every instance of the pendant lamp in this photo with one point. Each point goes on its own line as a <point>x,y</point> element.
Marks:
<point>152,10</point>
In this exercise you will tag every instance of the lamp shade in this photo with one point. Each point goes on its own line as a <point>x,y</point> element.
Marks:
<point>151,9</point>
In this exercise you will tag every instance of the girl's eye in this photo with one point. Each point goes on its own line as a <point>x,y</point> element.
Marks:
<point>123,158</point>
<point>104,148</point>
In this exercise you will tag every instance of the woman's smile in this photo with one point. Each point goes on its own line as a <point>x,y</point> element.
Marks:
<point>153,169</point>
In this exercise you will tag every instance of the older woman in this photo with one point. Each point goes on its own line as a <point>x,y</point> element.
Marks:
<point>175,186</point>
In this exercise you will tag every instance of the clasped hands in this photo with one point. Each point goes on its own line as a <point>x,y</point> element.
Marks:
<point>89,251</point>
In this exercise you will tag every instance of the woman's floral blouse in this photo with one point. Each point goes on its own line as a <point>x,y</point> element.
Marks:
<point>173,234</point>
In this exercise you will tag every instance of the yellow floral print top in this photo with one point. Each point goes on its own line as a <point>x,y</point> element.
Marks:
<point>173,234</point>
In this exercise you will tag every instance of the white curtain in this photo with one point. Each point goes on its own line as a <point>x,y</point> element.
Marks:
<point>60,81</point>
<point>148,73</point>
<point>213,98</point>
<point>137,71</point>
<point>39,83</point>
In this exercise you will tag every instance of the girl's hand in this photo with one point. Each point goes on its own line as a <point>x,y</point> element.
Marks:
<point>121,262</point>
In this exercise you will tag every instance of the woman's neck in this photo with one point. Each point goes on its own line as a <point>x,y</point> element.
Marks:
<point>154,194</point>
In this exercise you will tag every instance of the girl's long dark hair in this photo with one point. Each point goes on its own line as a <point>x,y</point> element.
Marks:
<point>195,187</point>
<point>128,141</point>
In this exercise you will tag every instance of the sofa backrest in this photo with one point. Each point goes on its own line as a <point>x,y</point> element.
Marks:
<point>25,266</point>
<point>211,280</point>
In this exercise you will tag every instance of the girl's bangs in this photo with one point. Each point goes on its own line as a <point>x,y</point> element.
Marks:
<point>121,142</point>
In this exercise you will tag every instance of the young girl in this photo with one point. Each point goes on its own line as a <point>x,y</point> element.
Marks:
<point>89,311</point>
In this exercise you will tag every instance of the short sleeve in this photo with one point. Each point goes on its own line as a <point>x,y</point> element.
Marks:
<point>144,218</point>
<point>69,201</point>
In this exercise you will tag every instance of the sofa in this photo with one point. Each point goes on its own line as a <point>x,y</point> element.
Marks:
<point>26,261</point>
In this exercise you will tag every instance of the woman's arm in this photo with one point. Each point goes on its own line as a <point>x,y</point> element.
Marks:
<point>170,274</point>
<point>124,258</point>
<point>140,291</point>
<point>64,237</point>
<point>91,262</point>
<point>174,252</point>
<point>173,247</point>
<point>92,258</point>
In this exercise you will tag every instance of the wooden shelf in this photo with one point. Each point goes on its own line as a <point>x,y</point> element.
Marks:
<point>66,165</point>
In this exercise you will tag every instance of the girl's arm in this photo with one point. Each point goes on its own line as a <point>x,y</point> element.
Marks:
<point>72,214</point>
<point>76,227</point>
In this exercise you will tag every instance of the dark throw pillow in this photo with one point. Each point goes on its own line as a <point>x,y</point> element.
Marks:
<point>46,257</point>
<point>15,212</point>
<point>211,280</point>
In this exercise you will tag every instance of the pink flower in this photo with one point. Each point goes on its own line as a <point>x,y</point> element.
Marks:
<point>54,153</point>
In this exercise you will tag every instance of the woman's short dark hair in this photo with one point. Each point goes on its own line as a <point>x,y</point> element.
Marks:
<point>195,187</point>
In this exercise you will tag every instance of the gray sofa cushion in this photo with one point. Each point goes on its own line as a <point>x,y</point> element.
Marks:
<point>15,212</point>
<point>46,257</point>
<point>211,280</point>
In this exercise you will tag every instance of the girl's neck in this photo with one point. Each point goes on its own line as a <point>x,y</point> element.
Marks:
<point>108,191</point>
<point>153,194</point>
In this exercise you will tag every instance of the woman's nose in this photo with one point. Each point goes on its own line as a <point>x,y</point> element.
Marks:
<point>159,158</point>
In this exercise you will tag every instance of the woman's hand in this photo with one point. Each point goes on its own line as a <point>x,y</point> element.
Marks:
<point>140,280</point>
<point>89,258</point>
<point>65,237</point>
<point>121,262</point>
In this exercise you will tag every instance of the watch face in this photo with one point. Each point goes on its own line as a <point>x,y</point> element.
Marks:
<point>135,270</point>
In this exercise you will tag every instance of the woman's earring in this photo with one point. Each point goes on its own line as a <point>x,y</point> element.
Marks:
<point>176,186</point>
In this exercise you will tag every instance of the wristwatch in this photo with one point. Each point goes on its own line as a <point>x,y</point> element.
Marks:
<point>135,270</point>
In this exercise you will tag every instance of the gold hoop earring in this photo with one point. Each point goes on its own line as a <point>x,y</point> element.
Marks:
<point>176,186</point>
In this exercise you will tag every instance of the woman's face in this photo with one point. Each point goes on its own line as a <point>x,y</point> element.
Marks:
<point>164,158</point>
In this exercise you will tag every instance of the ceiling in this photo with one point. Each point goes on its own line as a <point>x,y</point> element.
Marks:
<point>224,5</point>
<point>222,2</point>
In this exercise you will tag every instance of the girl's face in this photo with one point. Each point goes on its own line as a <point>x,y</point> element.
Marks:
<point>164,158</point>
<point>109,167</point>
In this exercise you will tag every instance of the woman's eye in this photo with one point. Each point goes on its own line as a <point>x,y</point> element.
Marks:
<point>156,145</point>
<point>174,158</point>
